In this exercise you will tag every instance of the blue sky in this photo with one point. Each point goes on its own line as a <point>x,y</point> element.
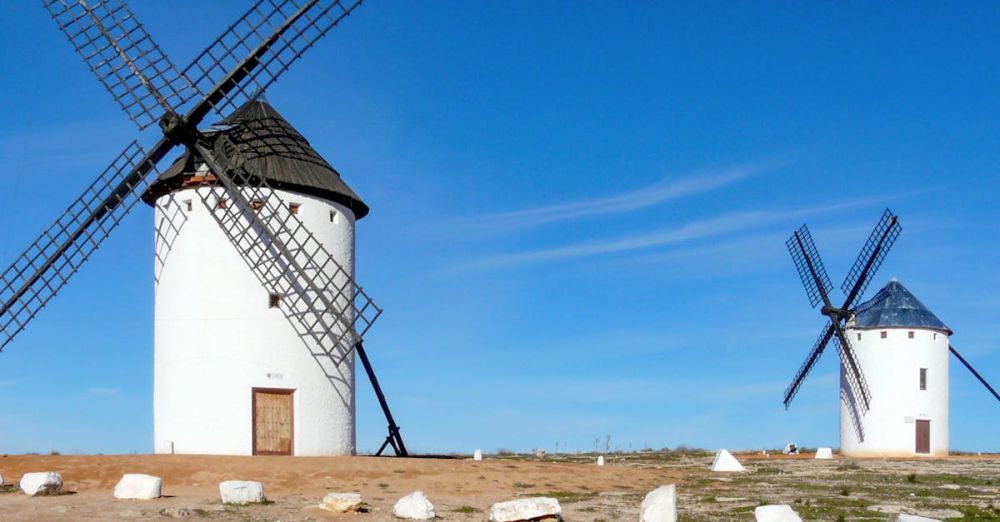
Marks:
<point>578,212</point>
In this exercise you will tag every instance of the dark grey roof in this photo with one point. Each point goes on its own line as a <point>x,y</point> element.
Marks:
<point>895,307</point>
<point>275,151</point>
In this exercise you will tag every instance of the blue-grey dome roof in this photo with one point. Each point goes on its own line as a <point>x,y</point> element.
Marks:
<point>895,307</point>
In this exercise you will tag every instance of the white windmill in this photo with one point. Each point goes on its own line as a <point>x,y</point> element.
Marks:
<point>898,405</point>
<point>258,314</point>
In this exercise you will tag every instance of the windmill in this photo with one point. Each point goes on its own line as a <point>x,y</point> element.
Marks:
<point>895,337</point>
<point>319,297</point>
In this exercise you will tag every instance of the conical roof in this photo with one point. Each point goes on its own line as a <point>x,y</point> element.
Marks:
<point>272,150</point>
<point>895,307</point>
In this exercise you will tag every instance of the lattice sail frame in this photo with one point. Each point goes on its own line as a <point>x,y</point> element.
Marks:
<point>46,264</point>
<point>125,59</point>
<point>887,226</point>
<point>307,20</point>
<point>320,298</point>
<point>799,257</point>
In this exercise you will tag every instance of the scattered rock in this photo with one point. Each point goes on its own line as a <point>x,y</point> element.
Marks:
<point>776,513</point>
<point>725,461</point>
<point>177,512</point>
<point>600,460</point>
<point>903,517</point>
<point>659,505</point>
<point>824,453</point>
<point>42,483</point>
<point>414,506</point>
<point>478,455</point>
<point>241,492</point>
<point>524,509</point>
<point>139,487</point>
<point>343,503</point>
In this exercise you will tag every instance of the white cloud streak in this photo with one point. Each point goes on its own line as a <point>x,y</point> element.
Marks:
<point>703,229</point>
<point>655,194</point>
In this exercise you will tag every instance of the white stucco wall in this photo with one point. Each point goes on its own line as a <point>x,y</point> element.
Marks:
<point>892,369</point>
<point>216,339</point>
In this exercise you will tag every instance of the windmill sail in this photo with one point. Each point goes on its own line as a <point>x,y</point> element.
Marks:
<point>125,59</point>
<point>47,264</point>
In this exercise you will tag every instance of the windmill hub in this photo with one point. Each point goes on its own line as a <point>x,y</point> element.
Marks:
<point>177,129</point>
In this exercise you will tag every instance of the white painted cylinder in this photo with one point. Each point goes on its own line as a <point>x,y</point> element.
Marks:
<point>891,359</point>
<point>217,338</point>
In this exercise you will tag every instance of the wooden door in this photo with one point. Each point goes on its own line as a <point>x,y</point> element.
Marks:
<point>273,422</point>
<point>923,436</point>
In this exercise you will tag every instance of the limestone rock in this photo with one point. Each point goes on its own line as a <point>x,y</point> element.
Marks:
<point>725,461</point>
<point>903,517</point>
<point>659,505</point>
<point>42,483</point>
<point>139,487</point>
<point>776,513</point>
<point>478,455</point>
<point>824,453</point>
<point>241,492</point>
<point>343,503</point>
<point>600,460</point>
<point>524,509</point>
<point>414,506</point>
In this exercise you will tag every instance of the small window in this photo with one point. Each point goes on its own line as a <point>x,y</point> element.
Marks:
<point>256,205</point>
<point>334,216</point>
<point>293,208</point>
<point>859,336</point>
<point>935,336</point>
<point>220,204</point>
<point>188,205</point>
<point>885,334</point>
<point>274,301</point>
<point>923,378</point>
<point>910,335</point>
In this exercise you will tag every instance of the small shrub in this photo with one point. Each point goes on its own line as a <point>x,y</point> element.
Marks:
<point>845,492</point>
<point>912,478</point>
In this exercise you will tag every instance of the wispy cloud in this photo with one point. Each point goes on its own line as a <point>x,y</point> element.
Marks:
<point>648,196</point>
<point>703,229</point>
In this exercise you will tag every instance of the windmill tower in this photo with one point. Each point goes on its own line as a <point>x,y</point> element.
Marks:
<point>902,342</point>
<point>227,379</point>
<point>231,375</point>
<point>893,354</point>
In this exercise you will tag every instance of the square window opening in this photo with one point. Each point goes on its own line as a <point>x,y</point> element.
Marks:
<point>885,335</point>
<point>274,300</point>
<point>859,336</point>
<point>188,205</point>
<point>334,216</point>
<point>256,205</point>
<point>220,204</point>
<point>294,208</point>
<point>910,335</point>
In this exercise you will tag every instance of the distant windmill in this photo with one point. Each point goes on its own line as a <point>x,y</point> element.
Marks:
<point>215,390</point>
<point>903,345</point>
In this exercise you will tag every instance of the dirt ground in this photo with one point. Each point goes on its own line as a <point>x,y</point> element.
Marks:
<point>966,488</point>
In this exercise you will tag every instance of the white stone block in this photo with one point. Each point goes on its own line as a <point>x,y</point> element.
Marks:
<point>659,505</point>
<point>824,453</point>
<point>776,513</point>
<point>41,483</point>
<point>725,461</point>
<point>139,487</point>
<point>524,509</point>
<point>903,517</point>
<point>600,460</point>
<point>343,503</point>
<point>1,480</point>
<point>414,506</point>
<point>478,455</point>
<point>241,492</point>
